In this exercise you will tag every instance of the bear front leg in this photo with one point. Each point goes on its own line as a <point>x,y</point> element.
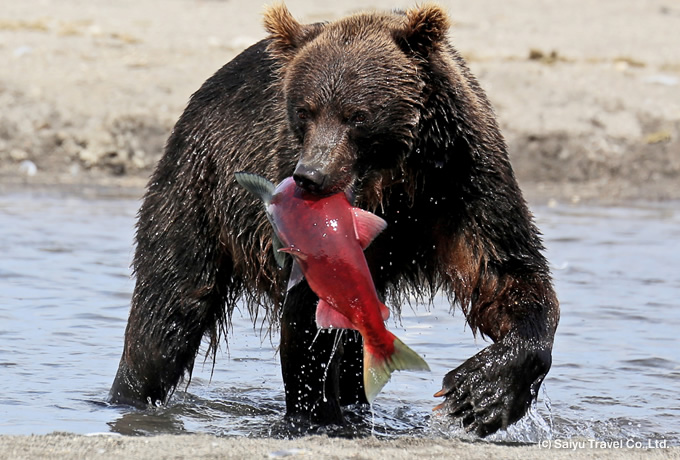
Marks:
<point>495,388</point>
<point>161,343</point>
<point>183,282</point>
<point>352,390</point>
<point>309,360</point>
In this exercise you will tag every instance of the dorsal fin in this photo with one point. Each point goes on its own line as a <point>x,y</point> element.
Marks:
<point>366,226</point>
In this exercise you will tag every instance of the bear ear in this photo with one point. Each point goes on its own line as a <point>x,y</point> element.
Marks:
<point>286,34</point>
<point>425,26</point>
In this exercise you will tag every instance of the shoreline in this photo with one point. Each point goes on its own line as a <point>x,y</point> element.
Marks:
<point>97,185</point>
<point>588,114</point>
<point>200,446</point>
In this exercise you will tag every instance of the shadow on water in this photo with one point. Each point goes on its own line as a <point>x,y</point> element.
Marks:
<point>65,288</point>
<point>235,416</point>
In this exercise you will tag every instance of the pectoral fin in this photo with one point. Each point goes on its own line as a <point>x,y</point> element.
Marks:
<point>279,256</point>
<point>262,188</point>
<point>296,275</point>
<point>328,317</point>
<point>257,185</point>
<point>295,252</point>
<point>366,226</point>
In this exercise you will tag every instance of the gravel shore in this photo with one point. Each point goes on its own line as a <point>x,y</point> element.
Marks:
<point>588,94</point>
<point>67,447</point>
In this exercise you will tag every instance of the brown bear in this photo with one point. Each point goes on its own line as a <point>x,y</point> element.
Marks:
<point>378,104</point>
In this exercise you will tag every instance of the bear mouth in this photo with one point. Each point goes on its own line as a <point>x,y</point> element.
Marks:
<point>351,192</point>
<point>348,184</point>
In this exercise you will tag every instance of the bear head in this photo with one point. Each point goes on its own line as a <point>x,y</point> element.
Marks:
<point>354,89</point>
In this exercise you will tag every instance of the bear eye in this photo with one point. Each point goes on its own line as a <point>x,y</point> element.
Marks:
<point>302,114</point>
<point>358,118</point>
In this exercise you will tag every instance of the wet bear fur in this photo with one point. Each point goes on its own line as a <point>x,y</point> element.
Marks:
<point>379,103</point>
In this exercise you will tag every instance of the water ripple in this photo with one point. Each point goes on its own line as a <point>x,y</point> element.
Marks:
<point>65,288</point>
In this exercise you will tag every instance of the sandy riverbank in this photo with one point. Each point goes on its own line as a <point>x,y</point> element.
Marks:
<point>588,94</point>
<point>67,447</point>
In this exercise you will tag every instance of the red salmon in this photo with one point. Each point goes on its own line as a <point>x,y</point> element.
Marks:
<point>326,237</point>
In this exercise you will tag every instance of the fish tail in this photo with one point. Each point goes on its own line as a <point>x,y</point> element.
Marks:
<point>378,368</point>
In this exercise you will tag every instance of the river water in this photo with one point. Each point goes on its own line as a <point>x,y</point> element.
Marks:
<point>65,288</point>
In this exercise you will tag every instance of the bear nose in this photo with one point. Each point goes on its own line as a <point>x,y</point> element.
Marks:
<point>309,179</point>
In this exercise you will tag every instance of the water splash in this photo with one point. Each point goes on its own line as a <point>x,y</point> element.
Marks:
<point>336,343</point>
<point>372,420</point>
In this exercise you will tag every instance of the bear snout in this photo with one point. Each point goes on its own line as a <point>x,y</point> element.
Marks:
<point>309,178</point>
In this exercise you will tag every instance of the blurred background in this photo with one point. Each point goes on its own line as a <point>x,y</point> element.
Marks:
<point>588,94</point>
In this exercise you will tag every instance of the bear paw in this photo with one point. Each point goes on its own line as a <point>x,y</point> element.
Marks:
<point>494,388</point>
